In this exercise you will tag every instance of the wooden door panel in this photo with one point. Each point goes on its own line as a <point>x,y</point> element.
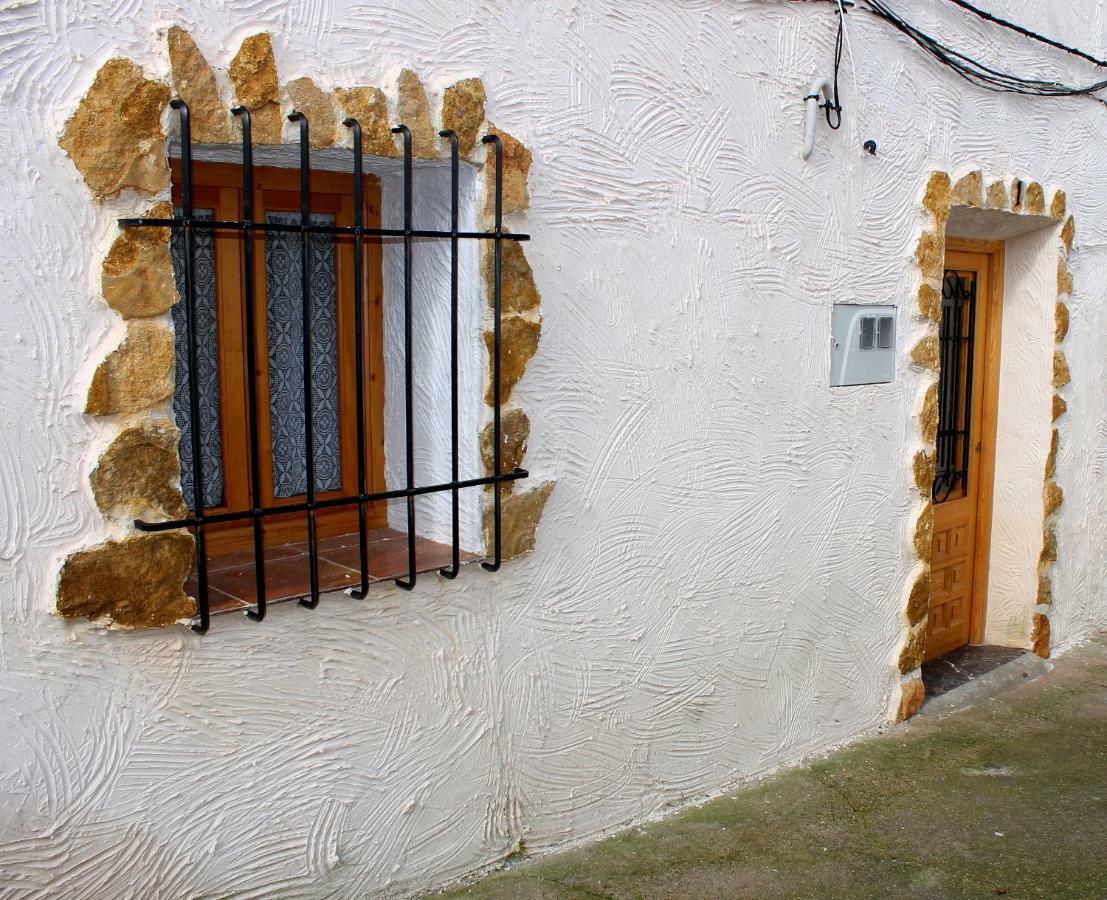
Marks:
<point>959,548</point>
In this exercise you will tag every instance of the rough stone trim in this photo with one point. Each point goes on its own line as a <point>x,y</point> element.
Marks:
<point>940,194</point>
<point>116,141</point>
<point>520,332</point>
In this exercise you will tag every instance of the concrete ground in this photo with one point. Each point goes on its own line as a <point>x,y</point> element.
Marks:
<point>1007,796</point>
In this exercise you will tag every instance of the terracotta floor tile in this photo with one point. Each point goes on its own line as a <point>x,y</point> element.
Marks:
<point>337,541</point>
<point>231,578</point>
<point>243,558</point>
<point>284,578</point>
<point>218,601</point>
<point>388,559</point>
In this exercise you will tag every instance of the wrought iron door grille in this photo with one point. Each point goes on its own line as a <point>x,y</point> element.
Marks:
<point>956,340</point>
<point>188,224</point>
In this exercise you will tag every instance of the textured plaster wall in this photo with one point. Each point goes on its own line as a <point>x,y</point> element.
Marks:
<point>718,583</point>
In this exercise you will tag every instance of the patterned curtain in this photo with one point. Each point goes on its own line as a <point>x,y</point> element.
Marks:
<point>283,275</point>
<point>203,292</point>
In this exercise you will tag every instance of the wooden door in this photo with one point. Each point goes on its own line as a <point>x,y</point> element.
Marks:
<point>967,391</point>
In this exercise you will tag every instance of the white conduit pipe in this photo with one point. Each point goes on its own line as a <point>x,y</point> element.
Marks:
<point>819,85</point>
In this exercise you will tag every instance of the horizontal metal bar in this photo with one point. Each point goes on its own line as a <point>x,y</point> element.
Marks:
<point>200,521</point>
<point>225,225</point>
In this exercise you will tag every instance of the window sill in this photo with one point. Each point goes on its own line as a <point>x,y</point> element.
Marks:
<point>231,578</point>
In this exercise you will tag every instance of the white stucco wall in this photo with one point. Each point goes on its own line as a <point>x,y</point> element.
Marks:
<point>719,579</point>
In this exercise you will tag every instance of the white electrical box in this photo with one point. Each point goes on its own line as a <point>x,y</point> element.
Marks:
<point>863,344</point>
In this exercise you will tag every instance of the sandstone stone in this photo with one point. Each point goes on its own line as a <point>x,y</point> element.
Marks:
<point>930,255</point>
<point>518,292</point>
<point>253,75</point>
<point>911,696</point>
<point>137,274</point>
<point>463,112</point>
<point>317,107</point>
<point>924,533</point>
<point>928,417</point>
<point>114,137</point>
<point>938,197</point>
<point>1051,459</point>
<point>969,189</point>
<point>1061,375</point>
<point>369,107</point>
<point>1052,497</point>
<point>1039,636</point>
<point>1061,321</point>
<point>1033,199</point>
<point>194,82</point>
<point>926,353</point>
<point>1018,194</point>
<point>136,375</point>
<point>517,160</point>
<point>136,582</point>
<point>514,433</point>
<point>1045,590</point>
<point>138,474</point>
<point>930,302</point>
<point>996,197</point>
<point>1064,277</point>
<point>414,112</point>
<point>1068,232</point>
<point>1057,205</point>
<point>1049,546</point>
<point>914,646</point>
<point>518,343</point>
<point>1060,407</point>
<point>923,466</point>
<point>522,511</point>
<point>918,603</point>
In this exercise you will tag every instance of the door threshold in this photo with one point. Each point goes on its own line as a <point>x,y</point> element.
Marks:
<point>971,674</point>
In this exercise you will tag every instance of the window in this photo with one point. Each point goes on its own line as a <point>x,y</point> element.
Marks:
<point>279,339</point>
<point>218,286</point>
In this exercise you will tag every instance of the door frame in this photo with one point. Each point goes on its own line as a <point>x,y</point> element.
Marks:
<point>988,420</point>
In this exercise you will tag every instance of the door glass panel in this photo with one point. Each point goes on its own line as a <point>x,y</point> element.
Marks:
<point>284,293</point>
<point>203,292</point>
<point>956,337</point>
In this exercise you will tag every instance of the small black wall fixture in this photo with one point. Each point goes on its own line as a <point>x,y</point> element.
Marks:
<point>188,224</point>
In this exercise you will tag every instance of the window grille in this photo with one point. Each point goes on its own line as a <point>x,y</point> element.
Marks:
<point>956,339</point>
<point>191,232</point>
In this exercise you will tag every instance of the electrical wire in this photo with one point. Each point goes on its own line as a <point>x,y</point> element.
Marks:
<point>835,105</point>
<point>976,72</point>
<point>1026,32</point>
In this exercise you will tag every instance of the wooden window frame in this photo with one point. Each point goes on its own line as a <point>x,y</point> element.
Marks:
<point>218,186</point>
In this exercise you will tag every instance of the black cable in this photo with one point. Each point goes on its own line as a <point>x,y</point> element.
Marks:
<point>1026,32</point>
<point>835,106</point>
<point>977,72</point>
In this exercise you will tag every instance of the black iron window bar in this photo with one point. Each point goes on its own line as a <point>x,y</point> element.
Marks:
<point>956,340</point>
<point>188,225</point>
